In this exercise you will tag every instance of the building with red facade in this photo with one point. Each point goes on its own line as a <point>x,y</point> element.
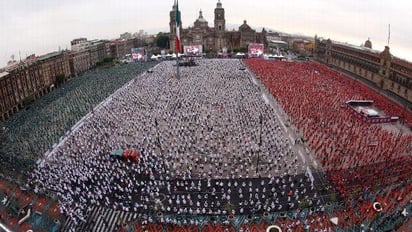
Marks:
<point>24,81</point>
<point>380,68</point>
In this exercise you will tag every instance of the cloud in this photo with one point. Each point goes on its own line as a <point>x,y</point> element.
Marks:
<point>42,25</point>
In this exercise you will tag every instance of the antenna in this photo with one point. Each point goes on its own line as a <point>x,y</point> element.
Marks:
<point>389,33</point>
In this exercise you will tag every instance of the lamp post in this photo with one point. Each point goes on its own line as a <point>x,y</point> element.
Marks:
<point>177,65</point>
<point>157,135</point>
<point>260,142</point>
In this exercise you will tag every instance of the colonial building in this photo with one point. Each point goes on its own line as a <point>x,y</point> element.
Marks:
<point>216,38</point>
<point>380,68</point>
<point>24,81</point>
<point>96,50</point>
<point>79,62</point>
<point>120,48</point>
<point>54,64</point>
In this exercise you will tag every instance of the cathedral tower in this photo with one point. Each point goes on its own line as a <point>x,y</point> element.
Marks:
<point>220,22</point>
<point>220,26</point>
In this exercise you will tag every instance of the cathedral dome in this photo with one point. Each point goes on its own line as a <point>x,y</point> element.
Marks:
<point>244,26</point>
<point>201,19</point>
<point>368,44</point>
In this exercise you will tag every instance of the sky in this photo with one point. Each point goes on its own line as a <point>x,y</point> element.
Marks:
<point>42,26</point>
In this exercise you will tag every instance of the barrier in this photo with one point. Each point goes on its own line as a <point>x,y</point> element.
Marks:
<point>25,217</point>
<point>273,228</point>
<point>374,120</point>
<point>377,206</point>
<point>3,227</point>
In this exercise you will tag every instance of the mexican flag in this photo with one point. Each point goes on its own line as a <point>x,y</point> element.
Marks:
<point>178,23</point>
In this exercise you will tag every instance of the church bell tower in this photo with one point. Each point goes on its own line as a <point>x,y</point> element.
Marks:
<point>220,27</point>
<point>220,22</point>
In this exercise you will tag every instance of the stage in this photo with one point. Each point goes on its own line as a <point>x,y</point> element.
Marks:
<point>367,112</point>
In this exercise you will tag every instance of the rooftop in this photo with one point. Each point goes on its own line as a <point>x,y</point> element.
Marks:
<point>3,74</point>
<point>359,48</point>
<point>49,55</point>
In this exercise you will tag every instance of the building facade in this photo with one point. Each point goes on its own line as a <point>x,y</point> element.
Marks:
<point>382,69</point>
<point>79,62</point>
<point>216,38</point>
<point>120,48</point>
<point>24,81</point>
<point>54,64</point>
<point>96,51</point>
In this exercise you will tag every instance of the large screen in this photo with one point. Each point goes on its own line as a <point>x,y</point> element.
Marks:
<point>138,54</point>
<point>193,50</point>
<point>256,50</point>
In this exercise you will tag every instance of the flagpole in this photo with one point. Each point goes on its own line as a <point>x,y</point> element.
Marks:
<point>177,39</point>
<point>389,33</point>
<point>177,65</point>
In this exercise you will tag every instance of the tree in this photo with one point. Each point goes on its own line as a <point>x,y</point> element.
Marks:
<point>28,100</point>
<point>162,40</point>
<point>240,49</point>
<point>59,79</point>
<point>108,59</point>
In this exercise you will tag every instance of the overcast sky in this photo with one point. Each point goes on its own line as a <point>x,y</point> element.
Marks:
<point>41,26</point>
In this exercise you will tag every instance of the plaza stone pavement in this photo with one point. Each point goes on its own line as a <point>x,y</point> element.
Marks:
<point>200,138</point>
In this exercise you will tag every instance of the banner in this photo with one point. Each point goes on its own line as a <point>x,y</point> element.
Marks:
<point>138,54</point>
<point>193,50</point>
<point>256,50</point>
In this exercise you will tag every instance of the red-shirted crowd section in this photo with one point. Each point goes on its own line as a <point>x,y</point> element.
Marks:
<point>368,163</point>
<point>357,156</point>
<point>44,213</point>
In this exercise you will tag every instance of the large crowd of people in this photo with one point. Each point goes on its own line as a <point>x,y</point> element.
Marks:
<point>208,144</point>
<point>15,204</point>
<point>359,157</point>
<point>27,135</point>
<point>212,145</point>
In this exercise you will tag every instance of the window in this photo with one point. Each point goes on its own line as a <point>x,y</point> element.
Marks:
<point>220,27</point>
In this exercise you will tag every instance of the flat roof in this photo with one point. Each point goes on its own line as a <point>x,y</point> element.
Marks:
<point>3,74</point>
<point>357,47</point>
<point>49,55</point>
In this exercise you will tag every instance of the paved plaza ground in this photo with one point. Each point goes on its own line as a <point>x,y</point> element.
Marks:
<point>212,143</point>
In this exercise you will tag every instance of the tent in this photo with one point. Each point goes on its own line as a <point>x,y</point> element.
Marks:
<point>128,154</point>
<point>118,153</point>
<point>132,155</point>
<point>154,57</point>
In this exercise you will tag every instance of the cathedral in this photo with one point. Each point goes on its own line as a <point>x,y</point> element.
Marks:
<point>214,39</point>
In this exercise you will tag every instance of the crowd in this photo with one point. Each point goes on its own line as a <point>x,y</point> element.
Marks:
<point>359,157</point>
<point>208,144</point>
<point>31,132</point>
<point>15,202</point>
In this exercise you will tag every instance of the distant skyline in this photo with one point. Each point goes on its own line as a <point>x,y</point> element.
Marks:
<point>42,26</point>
